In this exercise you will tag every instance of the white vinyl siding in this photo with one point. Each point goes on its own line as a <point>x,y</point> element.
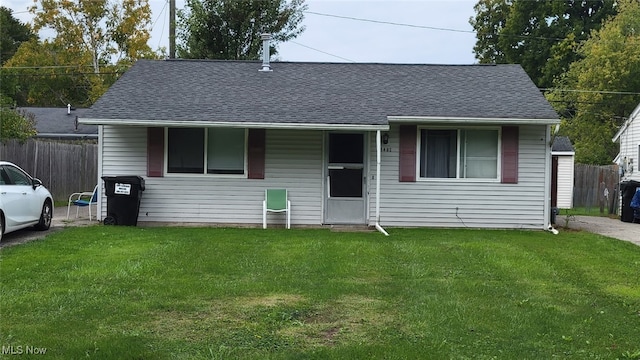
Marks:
<point>293,161</point>
<point>564,199</point>
<point>630,149</point>
<point>466,202</point>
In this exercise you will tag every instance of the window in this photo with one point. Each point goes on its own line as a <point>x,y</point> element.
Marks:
<point>459,153</point>
<point>218,150</point>
<point>16,177</point>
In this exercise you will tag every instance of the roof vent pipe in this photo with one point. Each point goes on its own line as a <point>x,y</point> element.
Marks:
<point>68,109</point>
<point>266,45</point>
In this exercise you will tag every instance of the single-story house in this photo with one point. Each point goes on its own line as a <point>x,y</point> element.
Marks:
<point>384,145</point>
<point>629,138</point>
<point>61,123</point>
<point>562,169</point>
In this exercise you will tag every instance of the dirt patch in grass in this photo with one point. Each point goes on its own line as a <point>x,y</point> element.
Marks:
<point>345,320</point>
<point>286,318</point>
<point>269,300</point>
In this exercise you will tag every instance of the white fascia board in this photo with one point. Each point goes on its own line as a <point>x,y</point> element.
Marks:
<point>563,153</point>
<point>467,120</point>
<point>229,124</point>
<point>617,159</point>
<point>627,123</point>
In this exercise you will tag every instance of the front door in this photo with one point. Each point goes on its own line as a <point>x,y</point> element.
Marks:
<point>345,187</point>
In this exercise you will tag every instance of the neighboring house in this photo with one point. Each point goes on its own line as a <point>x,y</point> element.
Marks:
<point>563,159</point>
<point>629,139</point>
<point>61,123</point>
<point>398,145</point>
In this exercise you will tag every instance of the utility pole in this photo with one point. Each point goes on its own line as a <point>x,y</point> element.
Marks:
<point>172,29</point>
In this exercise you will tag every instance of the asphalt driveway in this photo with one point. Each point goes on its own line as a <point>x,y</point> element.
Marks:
<point>602,225</point>
<point>58,223</point>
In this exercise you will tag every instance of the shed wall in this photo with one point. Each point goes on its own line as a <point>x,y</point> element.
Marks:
<point>565,182</point>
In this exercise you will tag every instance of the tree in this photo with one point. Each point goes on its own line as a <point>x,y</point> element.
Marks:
<point>490,19</point>
<point>48,74</point>
<point>94,42</point>
<point>230,29</point>
<point>599,91</point>
<point>106,29</point>
<point>15,124</point>
<point>540,35</point>
<point>12,34</point>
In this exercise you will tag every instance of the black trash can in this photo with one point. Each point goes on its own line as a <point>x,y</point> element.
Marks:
<point>628,189</point>
<point>123,199</point>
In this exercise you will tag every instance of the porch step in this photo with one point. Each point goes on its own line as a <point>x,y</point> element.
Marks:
<point>352,228</point>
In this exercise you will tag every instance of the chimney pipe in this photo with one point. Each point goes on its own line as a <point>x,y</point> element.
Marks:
<point>265,52</point>
<point>68,109</point>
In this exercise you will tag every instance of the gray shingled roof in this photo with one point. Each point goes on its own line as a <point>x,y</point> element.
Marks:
<point>55,122</point>
<point>316,93</point>
<point>562,144</point>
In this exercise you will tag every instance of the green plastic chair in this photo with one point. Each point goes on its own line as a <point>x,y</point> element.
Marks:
<point>275,200</point>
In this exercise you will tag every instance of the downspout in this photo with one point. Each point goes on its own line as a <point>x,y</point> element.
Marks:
<point>378,226</point>
<point>547,182</point>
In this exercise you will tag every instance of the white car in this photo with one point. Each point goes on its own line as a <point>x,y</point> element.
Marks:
<point>24,201</point>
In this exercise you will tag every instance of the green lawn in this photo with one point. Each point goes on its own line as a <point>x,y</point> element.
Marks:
<point>213,293</point>
<point>587,211</point>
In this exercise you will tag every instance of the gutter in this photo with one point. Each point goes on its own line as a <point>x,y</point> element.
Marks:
<point>233,124</point>
<point>471,120</point>
<point>378,226</point>
<point>547,182</point>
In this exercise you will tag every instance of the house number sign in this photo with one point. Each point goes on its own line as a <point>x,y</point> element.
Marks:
<point>122,189</point>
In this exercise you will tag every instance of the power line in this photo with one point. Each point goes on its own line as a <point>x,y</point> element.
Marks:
<point>158,18</point>
<point>65,74</point>
<point>320,51</point>
<point>593,91</point>
<point>390,23</point>
<point>46,67</point>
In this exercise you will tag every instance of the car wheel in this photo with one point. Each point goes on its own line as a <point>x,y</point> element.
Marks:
<point>45,216</point>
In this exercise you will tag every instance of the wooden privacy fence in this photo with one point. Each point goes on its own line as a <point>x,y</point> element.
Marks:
<point>63,167</point>
<point>596,187</point>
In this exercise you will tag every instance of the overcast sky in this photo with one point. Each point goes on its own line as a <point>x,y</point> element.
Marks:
<point>432,31</point>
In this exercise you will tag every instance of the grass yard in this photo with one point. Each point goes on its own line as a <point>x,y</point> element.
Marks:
<point>587,211</point>
<point>213,293</point>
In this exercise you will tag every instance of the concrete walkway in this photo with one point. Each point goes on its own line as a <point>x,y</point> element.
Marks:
<point>60,217</point>
<point>602,225</point>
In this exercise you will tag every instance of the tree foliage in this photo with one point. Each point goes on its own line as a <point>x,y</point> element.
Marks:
<point>230,29</point>
<point>106,29</point>
<point>49,74</point>
<point>12,34</point>
<point>15,124</point>
<point>94,41</point>
<point>593,95</point>
<point>540,35</point>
